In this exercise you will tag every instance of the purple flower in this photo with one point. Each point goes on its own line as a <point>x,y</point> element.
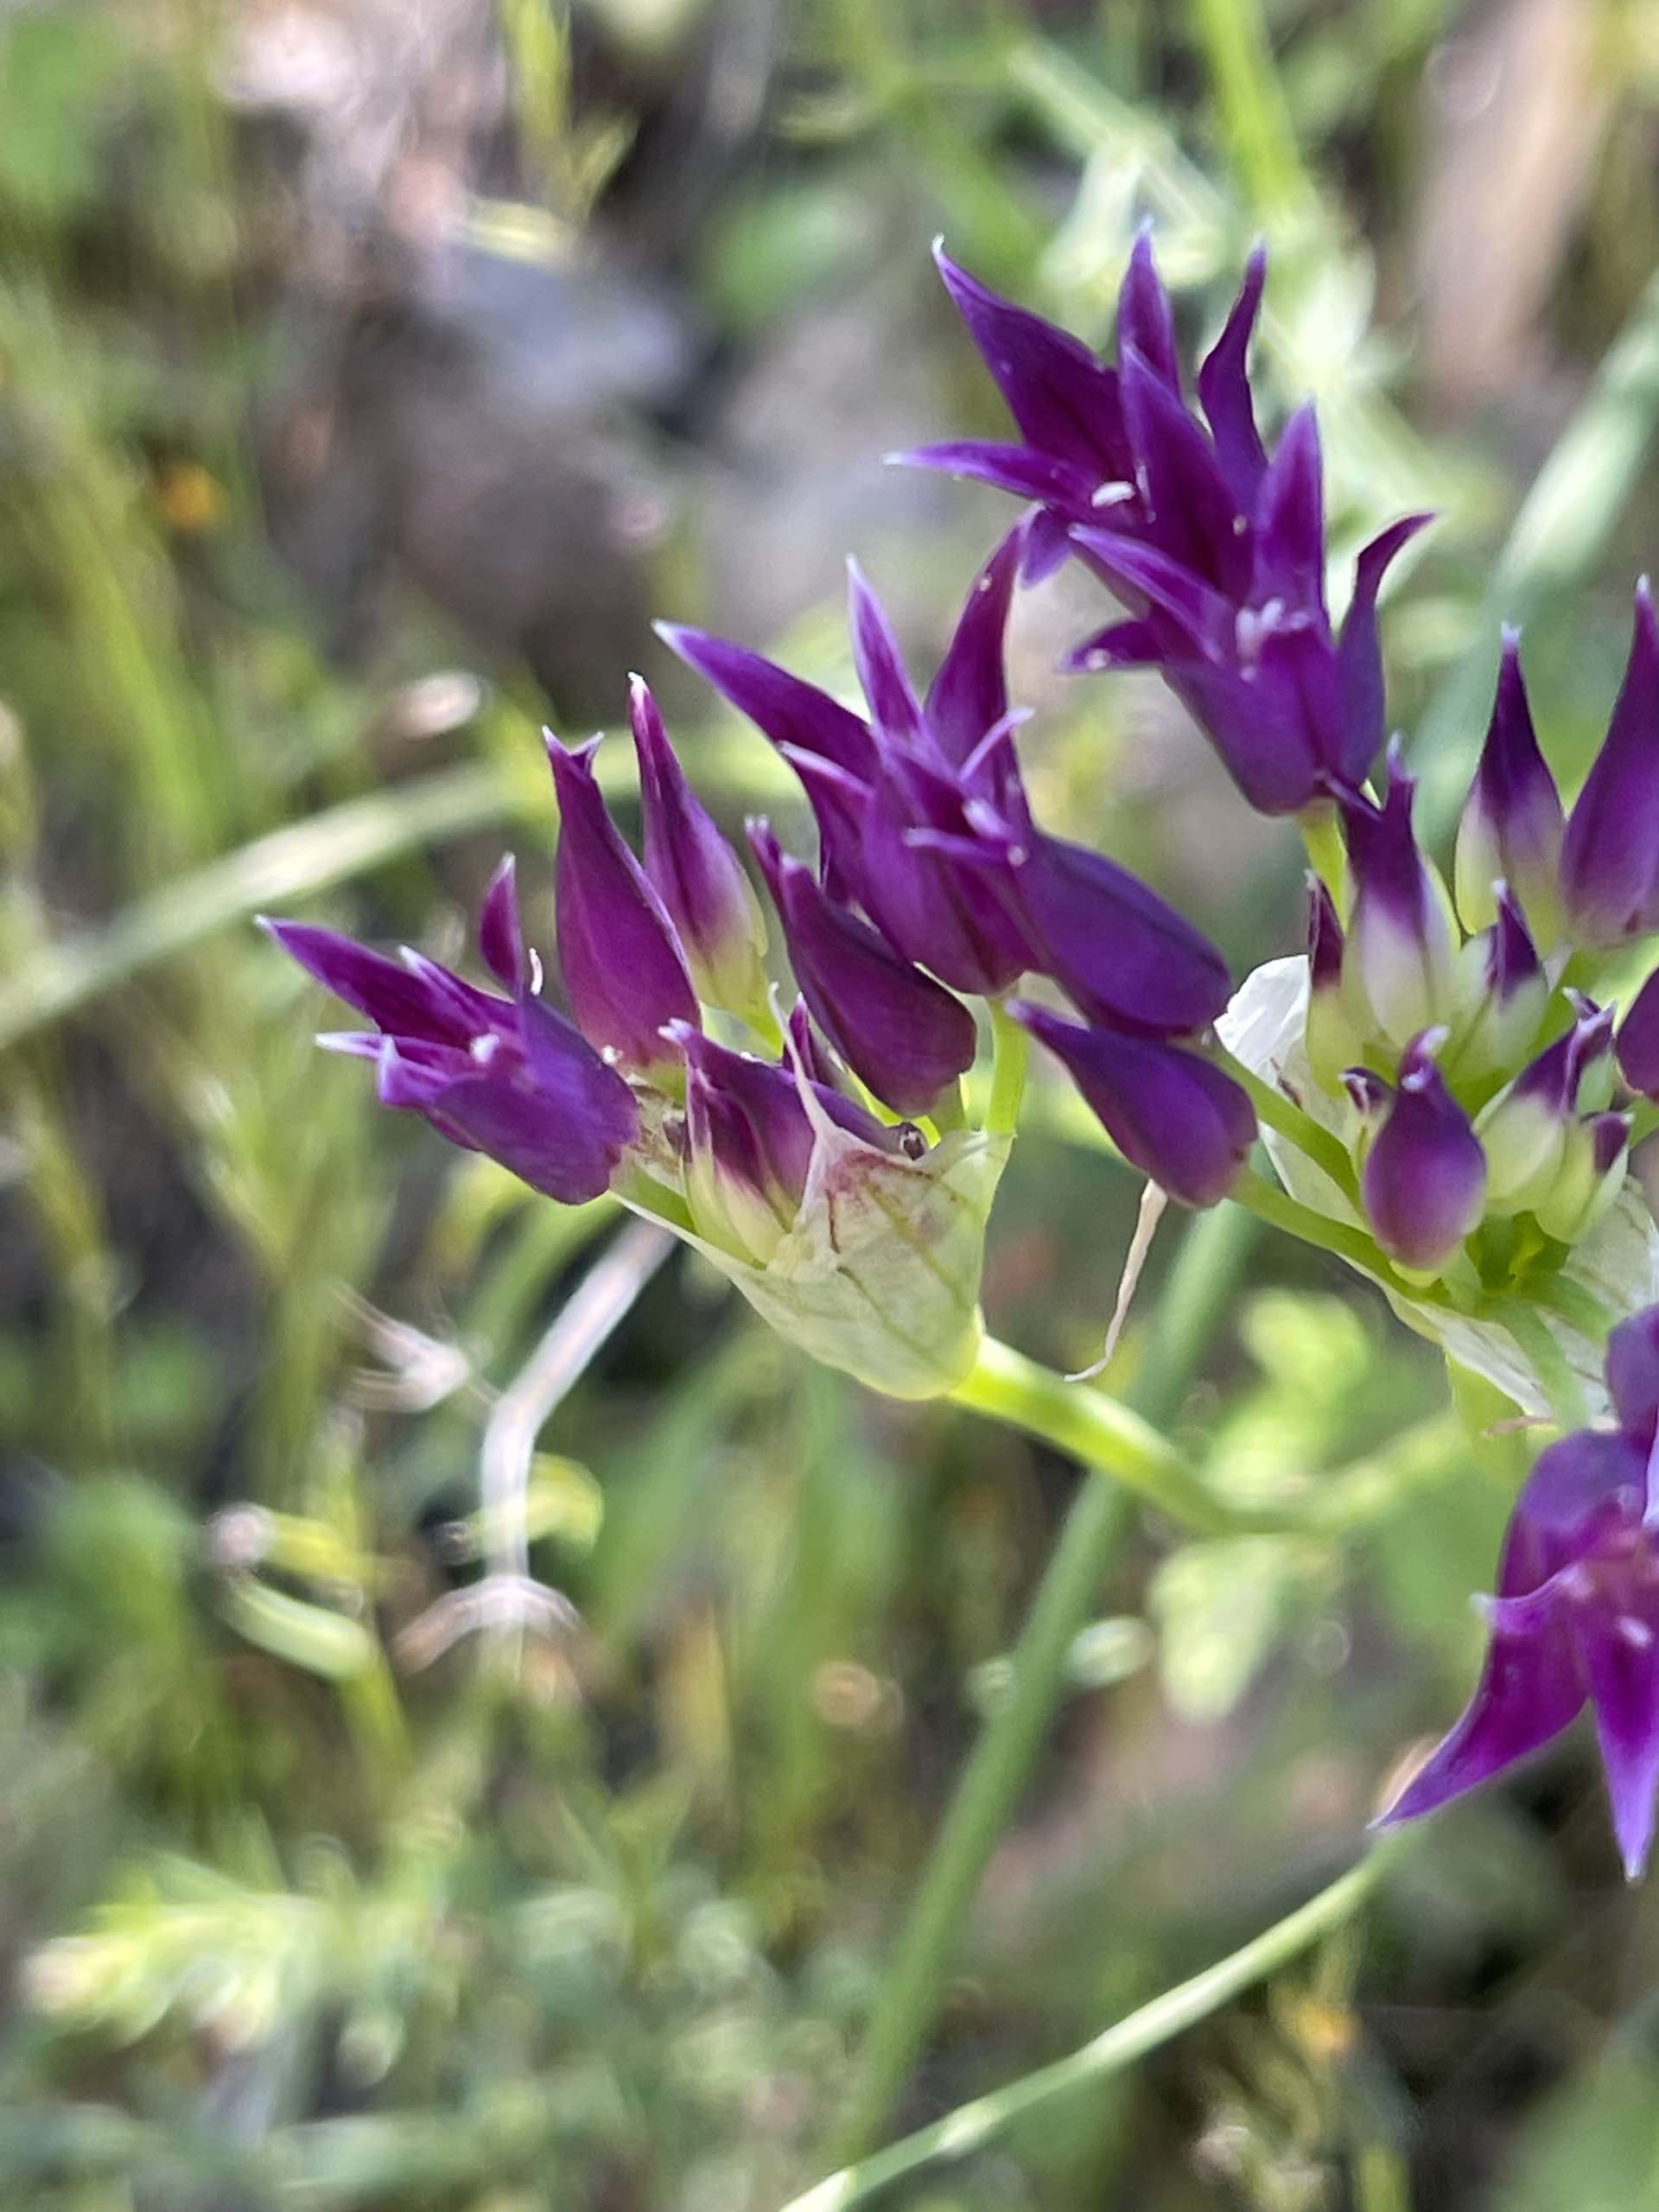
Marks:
<point>892,796</point>
<point>1218,551</point>
<point>1511,826</point>
<point>1171,1113</point>
<point>695,873</point>
<point>749,1143</point>
<point>1575,1619</point>
<point>621,960</point>
<point>1424,1179</point>
<point>1400,953</point>
<point>1639,1040</point>
<point>897,1029</point>
<point>1609,857</point>
<point>504,1076</point>
<point>1525,1130</point>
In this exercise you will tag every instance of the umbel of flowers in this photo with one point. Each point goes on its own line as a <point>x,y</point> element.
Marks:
<point>825,1162</point>
<point>1443,1083</point>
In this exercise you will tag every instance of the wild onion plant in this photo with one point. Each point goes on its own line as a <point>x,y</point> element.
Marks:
<point>1445,1089</point>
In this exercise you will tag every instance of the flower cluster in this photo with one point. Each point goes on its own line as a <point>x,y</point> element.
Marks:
<point>826,1164</point>
<point>1576,1616</point>
<point>1216,549</point>
<point>1453,1049</point>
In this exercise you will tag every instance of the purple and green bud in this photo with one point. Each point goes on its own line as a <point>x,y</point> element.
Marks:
<point>1610,855</point>
<point>1639,1040</point>
<point>1398,969</point>
<point>1331,1042</point>
<point>1503,990</point>
<point>507,1076</point>
<point>904,1036</point>
<point>1424,1179</point>
<point>695,874</point>
<point>621,962</point>
<point>1170,1112</point>
<point>750,1139</point>
<point>1512,825</point>
<point>1525,1129</point>
<point>1594,1161</point>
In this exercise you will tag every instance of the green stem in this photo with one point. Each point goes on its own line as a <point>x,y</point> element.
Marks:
<point>1101,1432</point>
<point>1000,1765</point>
<point>1327,854</point>
<point>1320,1144</point>
<point>1277,1207</point>
<point>971,2125</point>
<point>1010,1048</point>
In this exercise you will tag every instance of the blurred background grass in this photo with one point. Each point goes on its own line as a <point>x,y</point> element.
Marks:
<point>369,374</point>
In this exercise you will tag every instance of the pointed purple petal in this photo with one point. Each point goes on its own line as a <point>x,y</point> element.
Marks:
<point>401,1003</point>
<point>500,941</point>
<point>1289,538</point>
<point>1063,400</point>
<point>1027,475</point>
<point>1145,324</point>
<point>1621,1658</point>
<point>1190,511</point>
<point>970,695</point>
<point>621,962</point>
<point>779,705</point>
<point>895,710</point>
<point>1359,655</point>
<point>1224,390</point>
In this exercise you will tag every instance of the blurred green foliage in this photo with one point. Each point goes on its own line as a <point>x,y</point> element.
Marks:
<point>336,1869</point>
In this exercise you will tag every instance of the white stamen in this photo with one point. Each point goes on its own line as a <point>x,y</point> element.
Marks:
<point>1111,493</point>
<point>1577,1581</point>
<point>484,1048</point>
<point>1636,1633</point>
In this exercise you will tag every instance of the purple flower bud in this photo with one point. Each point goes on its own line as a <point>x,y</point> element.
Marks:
<point>1331,1042</point>
<point>506,1077</point>
<point>1639,1040</point>
<point>749,1144</point>
<point>1424,1180</point>
<point>695,873</point>
<point>1511,826</point>
<point>1524,1128</point>
<point>1576,1620</point>
<point>1590,1176</point>
<point>1505,988</point>
<point>897,1031</point>
<point>1399,958</point>
<point>1609,856</point>
<point>1171,1113</point>
<point>621,962</point>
